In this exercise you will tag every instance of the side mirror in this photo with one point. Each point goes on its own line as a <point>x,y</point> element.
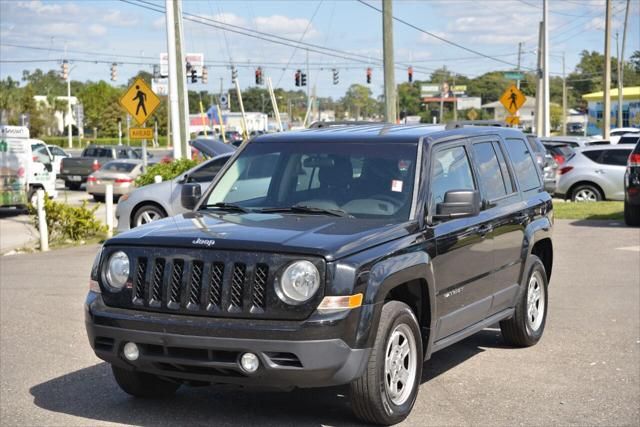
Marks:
<point>190,195</point>
<point>458,204</point>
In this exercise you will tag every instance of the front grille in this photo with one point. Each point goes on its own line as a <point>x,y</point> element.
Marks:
<point>209,283</point>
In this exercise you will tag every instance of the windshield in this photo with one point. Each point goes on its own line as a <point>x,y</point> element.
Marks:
<point>364,180</point>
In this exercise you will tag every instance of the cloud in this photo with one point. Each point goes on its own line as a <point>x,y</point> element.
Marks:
<point>38,7</point>
<point>159,23</point>
<point>427,39</point>
<point>282,25</point>
<point>97,29</point>
<point>116,18</point>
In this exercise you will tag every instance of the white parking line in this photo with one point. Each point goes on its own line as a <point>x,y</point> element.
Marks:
<point>630,248</point>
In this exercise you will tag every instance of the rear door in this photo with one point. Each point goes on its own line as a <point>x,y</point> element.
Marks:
<point>464,259</point>
<point>613,164</point>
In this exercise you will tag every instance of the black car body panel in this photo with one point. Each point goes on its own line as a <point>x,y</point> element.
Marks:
<point>458,275</point>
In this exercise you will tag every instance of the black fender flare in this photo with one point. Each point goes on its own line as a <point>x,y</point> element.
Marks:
<point>537,230</point>
<point>385,275</point>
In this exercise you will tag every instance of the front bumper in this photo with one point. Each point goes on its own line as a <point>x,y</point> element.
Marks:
<point>309,353</point>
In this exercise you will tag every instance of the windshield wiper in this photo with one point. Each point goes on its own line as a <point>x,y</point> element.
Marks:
<point>309,210</point>
<point>227,206</point>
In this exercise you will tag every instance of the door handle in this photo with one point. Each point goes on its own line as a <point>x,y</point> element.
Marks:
<point>485,229</point>
<point>599,171</point>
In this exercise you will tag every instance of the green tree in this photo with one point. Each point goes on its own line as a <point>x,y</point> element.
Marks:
<point>100,102</point>
<point>409,98</point>
<point>358,101</point>
<point>489,86</point>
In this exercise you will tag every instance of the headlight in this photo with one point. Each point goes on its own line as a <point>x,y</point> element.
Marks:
<point>117,270</point>
<point>298,283</point>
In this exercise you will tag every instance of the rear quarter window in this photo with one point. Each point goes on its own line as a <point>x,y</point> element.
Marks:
<point>523,164</point>
<point>616,157</point>
<point>594,155</point>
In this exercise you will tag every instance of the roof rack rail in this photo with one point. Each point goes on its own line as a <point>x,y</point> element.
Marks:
<point>318,125</point>
<point>463,123</point>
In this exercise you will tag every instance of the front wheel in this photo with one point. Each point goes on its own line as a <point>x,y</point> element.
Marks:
<point>147,214</point>
<point>526,326</point>
<point>140,384</point>
<point>387,391</point>
<point>586,193</point>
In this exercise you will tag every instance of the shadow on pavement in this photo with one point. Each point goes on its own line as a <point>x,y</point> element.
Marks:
<point>8,213</point>
<point>599,223</point>
<point>92,393</point>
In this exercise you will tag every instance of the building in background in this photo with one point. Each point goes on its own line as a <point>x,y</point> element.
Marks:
<point>630,109</point>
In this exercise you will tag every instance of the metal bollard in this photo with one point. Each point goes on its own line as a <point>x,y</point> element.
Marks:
<point>157,179</point>
<point>42,222</point>
<point>108,197</point>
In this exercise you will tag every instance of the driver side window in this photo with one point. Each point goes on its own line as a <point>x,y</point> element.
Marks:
<point>450,170</point>
<point>208,171</point>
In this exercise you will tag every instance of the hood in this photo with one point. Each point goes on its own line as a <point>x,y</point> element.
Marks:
<point>329,237</point>
<point>211,147</point>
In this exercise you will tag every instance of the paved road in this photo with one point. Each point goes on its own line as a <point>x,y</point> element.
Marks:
<point>585,371</point>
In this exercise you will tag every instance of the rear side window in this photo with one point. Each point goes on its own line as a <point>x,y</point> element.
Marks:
<point>450,171</point>
<point>523,164</point>
<point>489,171</point>
<point>629,140</point>
<point>594,155</point>
<point>615,157</point>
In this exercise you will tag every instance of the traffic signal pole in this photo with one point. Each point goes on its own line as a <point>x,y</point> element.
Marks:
<point>546,122</point>
<point>387,49</point>
<point>621,68</point>
<point>606,111</point>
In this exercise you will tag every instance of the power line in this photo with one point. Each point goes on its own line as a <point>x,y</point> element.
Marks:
<point>408,24</point>
<point>555,12</point>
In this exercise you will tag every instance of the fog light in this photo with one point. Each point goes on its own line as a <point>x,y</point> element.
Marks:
<point>131,351</point>
<point>249,362</point>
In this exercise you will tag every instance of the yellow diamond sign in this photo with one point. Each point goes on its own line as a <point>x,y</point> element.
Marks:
<point>140,101</point>
<point>512,120</point>
<point>512,99</point>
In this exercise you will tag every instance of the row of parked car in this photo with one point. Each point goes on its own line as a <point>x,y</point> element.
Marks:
<point>589,170</point>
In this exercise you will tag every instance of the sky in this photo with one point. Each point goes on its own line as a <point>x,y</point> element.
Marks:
<point>132,36</point>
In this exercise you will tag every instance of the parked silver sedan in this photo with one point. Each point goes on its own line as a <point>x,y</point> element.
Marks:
<point>161,200</point>
<point>121,174</point>
<point>594,173</point>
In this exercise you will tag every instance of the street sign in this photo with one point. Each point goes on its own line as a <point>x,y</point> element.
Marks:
<point>514,75</point>
<point>140,101</point>
<point>512,120</point>
<point>472,114</point>
<point>512,99</point>
<point>141,133</point>
<point>224,101</point>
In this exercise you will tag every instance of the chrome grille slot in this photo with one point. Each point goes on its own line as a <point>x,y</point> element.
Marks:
<point>237,285</point>
<point>196,285</point>
<point>156,282</point>
<point>138,281</point>
<point>175,283</point>
<point>215,285</point>
<point>258,292</point>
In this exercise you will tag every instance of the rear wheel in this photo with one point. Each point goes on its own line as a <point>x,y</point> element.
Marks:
<point>99,198</point>
<point>140,384</point>
<point>32,197</point>
<point>75,186</point>
<point>586,193</point>
<point>631,215</point>
<point>387,391</point>
<point>526,326</point>
<point>146,214</point>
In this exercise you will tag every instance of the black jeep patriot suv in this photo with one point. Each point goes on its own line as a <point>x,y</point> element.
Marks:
<point>344,255</point>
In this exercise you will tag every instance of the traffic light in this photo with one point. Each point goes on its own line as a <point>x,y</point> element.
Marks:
<point>64,72</point>
<point>410,74</point>
<point>234,74</point>
<point>303,79</point>
<point>194,76</point>
<point>298,77</point>
<point>259,79</point>
<point>205,75</point>
<point>369,75</point>
<point>336,77</point>
<point>114,72</point>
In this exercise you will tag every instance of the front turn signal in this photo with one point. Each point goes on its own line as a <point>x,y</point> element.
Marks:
<point>341,303</point>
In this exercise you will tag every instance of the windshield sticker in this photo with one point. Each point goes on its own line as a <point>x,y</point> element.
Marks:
<point>396,186</point>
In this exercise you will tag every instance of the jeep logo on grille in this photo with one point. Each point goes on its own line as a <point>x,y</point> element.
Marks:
<point>206,242</point>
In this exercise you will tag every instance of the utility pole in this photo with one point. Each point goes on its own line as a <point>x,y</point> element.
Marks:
<point>308,88</point>
<point>444,72</point>
<point>177,80</point>
<point>387,49</point>
<point>518,70</point>
<point>539,81</point>
<point>606,113</point>
<point>564,97</point>
<point>621,69</point>
<point>546,123</point>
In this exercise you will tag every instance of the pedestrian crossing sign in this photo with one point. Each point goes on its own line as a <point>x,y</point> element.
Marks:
<point>140,101</point>
<point>512,99</point>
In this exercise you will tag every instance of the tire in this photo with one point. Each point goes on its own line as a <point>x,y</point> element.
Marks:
<point>526,326</point>
<point>99,198</point>
<point>143,385</point>
<point>586,193</point>
<point>32,197</point>
<point>147,213</point>
<point>631,215</point>
<point>75,186</point>
<point>372,399</point>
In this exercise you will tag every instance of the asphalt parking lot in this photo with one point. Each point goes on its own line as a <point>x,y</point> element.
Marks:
<point>585,371</point>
